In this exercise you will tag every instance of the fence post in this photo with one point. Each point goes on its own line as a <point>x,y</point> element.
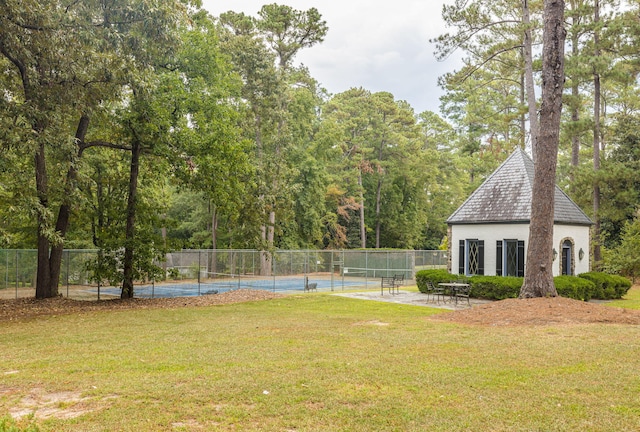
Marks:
<point>342,269</point>
<point>332,268</point>
<point>366,268</point>
<point>17,270</point>
<point>306,265</point>
<point>68,259</point>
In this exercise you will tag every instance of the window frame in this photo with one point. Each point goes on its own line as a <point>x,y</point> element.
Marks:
<point>463,259</point>
<point>502,250</point>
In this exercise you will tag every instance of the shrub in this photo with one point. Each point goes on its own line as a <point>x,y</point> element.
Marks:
<point>621,285</point>
<point>599,282</point>
<point>495,287</point>
<point>435,277</point>
<point>574,287</point>
<point>583,287</point>
<point>173,273</point>
<point>607,286</point>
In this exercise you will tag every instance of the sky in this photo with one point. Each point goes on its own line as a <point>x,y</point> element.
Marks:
<point>375,44</point>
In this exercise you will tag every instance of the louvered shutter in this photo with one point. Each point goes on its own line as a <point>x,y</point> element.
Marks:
<point>521,258</point>
<point>481,257</point>
<point>499,258</point>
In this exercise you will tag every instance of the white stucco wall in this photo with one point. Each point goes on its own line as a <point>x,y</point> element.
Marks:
<point>491,233</point>
<point>580,236</point>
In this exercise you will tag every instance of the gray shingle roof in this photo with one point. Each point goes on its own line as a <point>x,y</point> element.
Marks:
<point>505,197</point>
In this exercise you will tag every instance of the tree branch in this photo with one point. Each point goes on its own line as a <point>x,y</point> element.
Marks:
<point>86,145</point>
<point>487,60</point>
<point>21,68</point>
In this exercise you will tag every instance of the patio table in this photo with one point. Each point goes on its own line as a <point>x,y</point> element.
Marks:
<point>453,288</point>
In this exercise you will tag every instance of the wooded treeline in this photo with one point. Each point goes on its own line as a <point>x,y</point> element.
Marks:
<point>134,126</point>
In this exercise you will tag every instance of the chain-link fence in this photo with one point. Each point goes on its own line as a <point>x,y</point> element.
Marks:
<point>200,272</point>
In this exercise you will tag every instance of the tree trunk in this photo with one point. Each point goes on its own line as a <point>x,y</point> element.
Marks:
<point>43,274</point>
<point>64,213</point>
<point>575,112</point>
<point>127,283</point>
<point>529,84</point>
<point>378,199</point>
<point>267,236</point>
<point>597,254</point>
<point>213,268</point>
<point>363,232</point>
<point>523,117</point>
<point>538,281</point>
<point>50,255</point>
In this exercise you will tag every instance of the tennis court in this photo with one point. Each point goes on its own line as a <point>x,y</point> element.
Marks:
<point>279,284</point>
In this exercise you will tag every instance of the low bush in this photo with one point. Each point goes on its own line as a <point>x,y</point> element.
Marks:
<point>599,281</point>
<point>607,286</point>
<point>435,277</point>
<point>582,287</point>
<point>622,285</point>
<point>495,287</point>
<point>574,287</point>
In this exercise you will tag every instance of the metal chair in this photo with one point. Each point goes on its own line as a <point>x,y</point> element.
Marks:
<point>463,292</point>
<point>436,292</point>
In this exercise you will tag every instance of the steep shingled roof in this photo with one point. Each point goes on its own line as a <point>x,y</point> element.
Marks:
<point>505,197</point>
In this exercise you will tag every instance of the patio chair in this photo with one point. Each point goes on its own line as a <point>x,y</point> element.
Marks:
<point>436,292</point>
<point>463,293</point>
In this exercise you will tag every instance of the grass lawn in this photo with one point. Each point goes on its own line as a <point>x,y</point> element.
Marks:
<point>316,363</point>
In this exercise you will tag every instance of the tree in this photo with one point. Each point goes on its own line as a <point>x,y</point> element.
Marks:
<point>497,38</point>
<point>209,155</point>
<point>379,164</point>
<point>443,182</point>
<point>538,280</point>
<point>347,118</point>
<point>65,61</point>
<point>262,50</point>
<point>625,258</point>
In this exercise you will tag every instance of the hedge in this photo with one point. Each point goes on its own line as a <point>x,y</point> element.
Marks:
<point>583,287</point>
<point>435,277</point>
<point>574,287</point>
<point>495,287</point>
<point>607,286</point>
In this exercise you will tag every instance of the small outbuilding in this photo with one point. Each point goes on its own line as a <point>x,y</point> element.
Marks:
<point>488,233</point>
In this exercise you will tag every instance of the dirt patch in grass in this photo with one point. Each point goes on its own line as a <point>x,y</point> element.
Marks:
<point>43,405</point>
<point>26,308</point>
<point>372,323</point>
<point>541,311</point>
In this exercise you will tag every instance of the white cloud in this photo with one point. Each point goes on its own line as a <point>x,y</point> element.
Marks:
<point>377,45</point>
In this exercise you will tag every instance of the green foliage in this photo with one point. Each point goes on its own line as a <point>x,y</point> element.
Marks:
<point>495,287</point>
<point>625,257</point>
<point>435,277</point>
<point>173,273</point>
<point>574,287</point>
<point>607,286</point>
<point>278,114</point>
<point>583,287</point>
